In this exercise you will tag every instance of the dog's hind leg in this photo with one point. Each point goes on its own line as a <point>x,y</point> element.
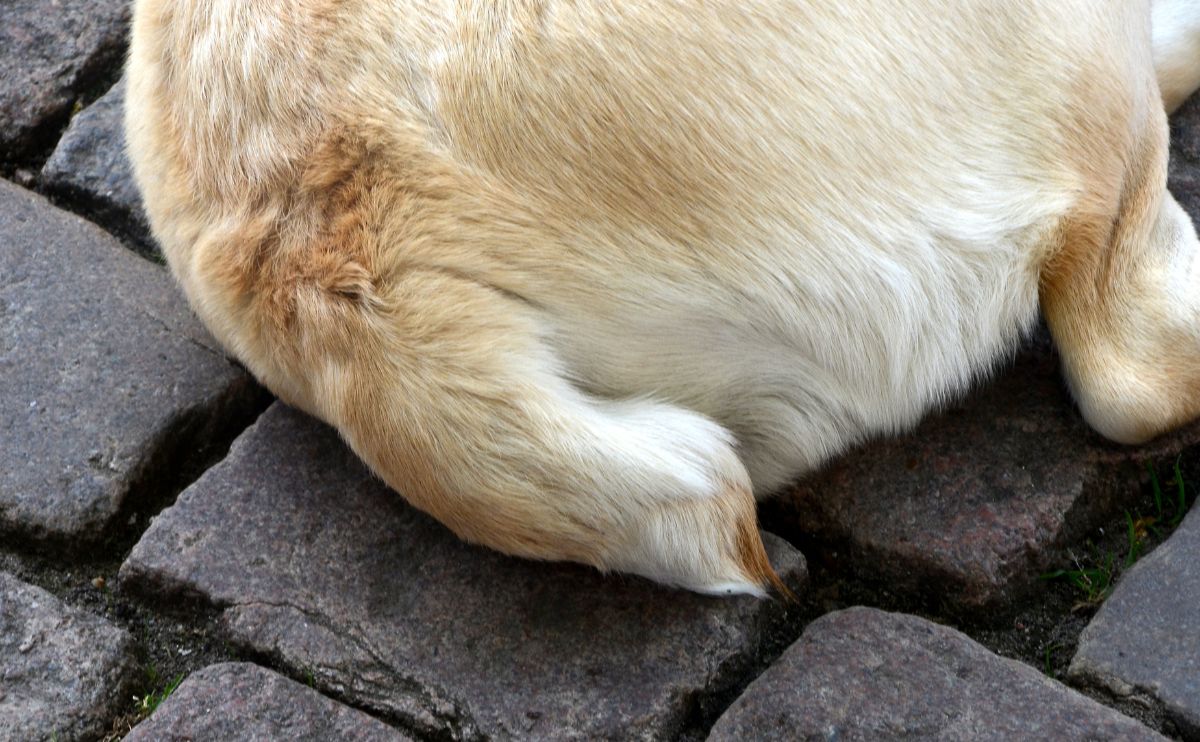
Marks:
<point>452,394</point>
<point>1176,33</point>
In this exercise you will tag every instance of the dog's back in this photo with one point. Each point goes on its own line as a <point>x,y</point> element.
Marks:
<point>576,278</point>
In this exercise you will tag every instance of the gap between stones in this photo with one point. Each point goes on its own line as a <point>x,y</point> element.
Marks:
<point>96,80</point>
<point>188,446</point>
<point>83,205</point>
<point>108,218</point>
<point>704,710</point>
<point>191,609</point>
<point>274,661</point>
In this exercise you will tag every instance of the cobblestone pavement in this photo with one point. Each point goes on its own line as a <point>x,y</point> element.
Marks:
<point>169,532</point>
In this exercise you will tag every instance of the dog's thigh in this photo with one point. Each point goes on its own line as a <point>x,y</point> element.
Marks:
<point>1176,29</point>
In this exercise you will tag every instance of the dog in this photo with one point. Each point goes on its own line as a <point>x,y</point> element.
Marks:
<point>583,279</point>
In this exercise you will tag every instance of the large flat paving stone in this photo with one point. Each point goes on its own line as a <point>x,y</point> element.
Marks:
<point>241,701</point>
<point>63,672</point>
<point>108,385</point>
<point>1146,637</point>
<point>89,169</point>
<point>862,674</point>
<point>51,52</point>
<point>320,567</point>
<point>969,509</point>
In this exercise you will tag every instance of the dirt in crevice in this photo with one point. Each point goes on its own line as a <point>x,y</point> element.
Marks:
<point>780,625</point>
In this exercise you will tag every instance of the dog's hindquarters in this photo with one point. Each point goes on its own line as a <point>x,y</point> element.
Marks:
<point>316,244</point>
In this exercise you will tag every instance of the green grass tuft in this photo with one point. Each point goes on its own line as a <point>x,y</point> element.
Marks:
<point>156,692</point>
<point>1094,575</point>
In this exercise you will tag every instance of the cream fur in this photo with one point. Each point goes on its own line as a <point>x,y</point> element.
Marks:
<point>578,278</point>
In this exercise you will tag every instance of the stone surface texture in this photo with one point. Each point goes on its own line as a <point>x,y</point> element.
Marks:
<point>89,168</point>
<point>62,671</point>
<point>239,701</point>
<point>1146,637</point>
<point>318,565</point>
<point>862,674</point>
<point>105,376</point>
<point>51,53</point>
<point>980,499</point>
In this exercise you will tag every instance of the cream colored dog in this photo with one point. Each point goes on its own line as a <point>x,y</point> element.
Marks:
<point>581,278</point>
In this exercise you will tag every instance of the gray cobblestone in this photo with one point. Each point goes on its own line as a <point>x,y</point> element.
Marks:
<point>107,382</point>
<point>62,671</point>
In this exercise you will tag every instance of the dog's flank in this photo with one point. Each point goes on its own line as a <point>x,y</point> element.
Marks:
<point>582,279</point>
